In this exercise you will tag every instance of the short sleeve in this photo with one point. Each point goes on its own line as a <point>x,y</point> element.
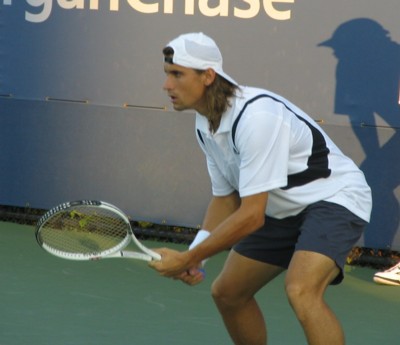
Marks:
<point>263,142</point>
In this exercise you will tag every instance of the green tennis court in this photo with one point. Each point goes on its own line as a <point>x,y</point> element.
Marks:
<point>49,301</point>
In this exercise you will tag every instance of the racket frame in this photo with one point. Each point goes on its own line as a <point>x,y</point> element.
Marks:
<point>114,252</point>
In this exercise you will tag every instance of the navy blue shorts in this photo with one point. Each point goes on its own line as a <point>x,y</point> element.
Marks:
<point>326,228</point>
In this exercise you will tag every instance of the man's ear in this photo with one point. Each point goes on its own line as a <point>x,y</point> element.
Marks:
<point>209,76</point>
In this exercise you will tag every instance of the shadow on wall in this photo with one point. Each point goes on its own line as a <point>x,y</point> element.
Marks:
<point>367,88</point>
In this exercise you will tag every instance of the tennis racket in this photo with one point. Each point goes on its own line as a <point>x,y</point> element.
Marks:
<point>89,230</point>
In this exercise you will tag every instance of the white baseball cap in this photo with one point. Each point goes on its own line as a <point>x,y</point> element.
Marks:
<point>198,51</point>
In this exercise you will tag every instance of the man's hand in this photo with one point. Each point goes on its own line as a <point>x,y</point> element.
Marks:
<point>176,265</point>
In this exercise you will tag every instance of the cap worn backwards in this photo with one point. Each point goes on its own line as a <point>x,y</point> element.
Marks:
<point>198,51</point>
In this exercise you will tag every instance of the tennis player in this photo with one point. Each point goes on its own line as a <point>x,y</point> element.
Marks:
<point>284,197</point>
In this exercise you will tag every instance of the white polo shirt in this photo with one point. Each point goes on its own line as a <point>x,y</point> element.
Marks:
<point>266,144</point>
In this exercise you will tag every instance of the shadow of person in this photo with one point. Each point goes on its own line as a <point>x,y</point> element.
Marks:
<point>367,88</point>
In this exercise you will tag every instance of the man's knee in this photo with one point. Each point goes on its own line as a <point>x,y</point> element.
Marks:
<point>220,292</point>
<point>225,294</point>
<point>299,293</point>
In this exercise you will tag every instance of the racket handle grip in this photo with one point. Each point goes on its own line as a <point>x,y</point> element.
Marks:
<point>195,271</point>
<point>203,272</point>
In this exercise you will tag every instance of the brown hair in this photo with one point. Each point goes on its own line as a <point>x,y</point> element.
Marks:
<point>217,94</point>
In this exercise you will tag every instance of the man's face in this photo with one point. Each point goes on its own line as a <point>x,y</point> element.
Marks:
<point>185,87</point>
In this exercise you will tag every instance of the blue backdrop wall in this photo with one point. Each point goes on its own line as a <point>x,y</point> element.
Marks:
<point>83,113</point>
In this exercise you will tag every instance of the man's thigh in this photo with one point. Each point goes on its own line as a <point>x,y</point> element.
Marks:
<point>243,277</point>
<point>312,271</point>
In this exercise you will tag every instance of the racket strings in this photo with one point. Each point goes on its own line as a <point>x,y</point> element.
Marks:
<point>84,231</point>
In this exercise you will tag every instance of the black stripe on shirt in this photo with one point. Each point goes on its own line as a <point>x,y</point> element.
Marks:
<point>317,163</point>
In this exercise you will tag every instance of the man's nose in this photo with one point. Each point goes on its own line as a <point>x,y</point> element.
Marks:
<point>167,84</point>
